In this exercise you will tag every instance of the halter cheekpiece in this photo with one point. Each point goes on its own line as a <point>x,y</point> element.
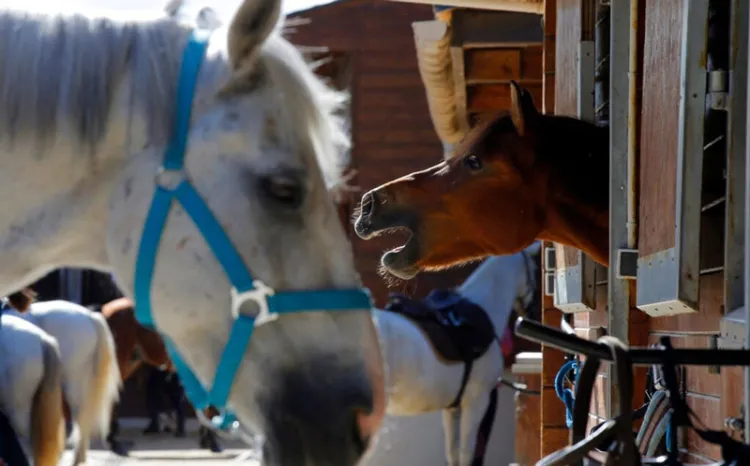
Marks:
<point>253,302</point>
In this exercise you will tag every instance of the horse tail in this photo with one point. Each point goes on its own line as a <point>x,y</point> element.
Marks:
<point>47,418</point>
<point>105,387</point>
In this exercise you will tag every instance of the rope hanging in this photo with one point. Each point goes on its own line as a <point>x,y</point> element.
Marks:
<point>566,394</point>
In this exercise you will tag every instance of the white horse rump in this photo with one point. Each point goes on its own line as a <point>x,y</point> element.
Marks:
<point>31,389</point>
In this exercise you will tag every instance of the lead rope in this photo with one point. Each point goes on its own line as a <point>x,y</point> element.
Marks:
<point>565,394</point>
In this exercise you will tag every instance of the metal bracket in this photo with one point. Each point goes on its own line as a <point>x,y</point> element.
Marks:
<point>169,179</point>
<point>549,283</point>
<point>718,89</point>
<point>732,327</point>
<point>627,264</point>
<point>258,295</point>
<point>550,261</point>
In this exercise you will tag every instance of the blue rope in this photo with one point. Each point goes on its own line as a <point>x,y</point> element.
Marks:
<point>566,394</point>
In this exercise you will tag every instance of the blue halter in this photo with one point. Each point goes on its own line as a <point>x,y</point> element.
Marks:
<point>173,185</point>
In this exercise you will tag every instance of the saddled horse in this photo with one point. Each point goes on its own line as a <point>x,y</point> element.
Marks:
<point>91,378</point>
<point>448,351</point>
<point>31,398</point>
<point>196,168</point>
<point>516,177</point>
<point>136,345</point>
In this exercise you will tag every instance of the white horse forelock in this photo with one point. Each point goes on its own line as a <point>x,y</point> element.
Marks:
<point>60,73</point>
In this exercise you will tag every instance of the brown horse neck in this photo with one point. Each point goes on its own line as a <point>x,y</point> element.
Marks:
<point>576,157</point>
<point>580,227</point>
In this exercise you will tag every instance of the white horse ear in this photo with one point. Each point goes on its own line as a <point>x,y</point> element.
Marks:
<point>173,7</point>
<point>251,26</point>
<point>208,19</point>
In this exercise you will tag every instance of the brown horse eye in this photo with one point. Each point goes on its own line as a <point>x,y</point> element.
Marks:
<point>472,162</point>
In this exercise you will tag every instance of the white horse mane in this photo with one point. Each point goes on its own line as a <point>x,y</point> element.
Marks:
<point>60,73</point>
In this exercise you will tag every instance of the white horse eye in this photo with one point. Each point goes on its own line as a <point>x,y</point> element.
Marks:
<point>284,189</point>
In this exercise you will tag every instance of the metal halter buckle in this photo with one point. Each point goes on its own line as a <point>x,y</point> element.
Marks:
<point>169,179</point>
<point>259,295</point>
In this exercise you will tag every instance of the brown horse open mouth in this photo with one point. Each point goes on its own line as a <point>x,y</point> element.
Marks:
<point>401,262</point>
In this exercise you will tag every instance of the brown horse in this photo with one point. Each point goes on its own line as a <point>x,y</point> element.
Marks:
<point>130,335</point>
<point>516,177</point>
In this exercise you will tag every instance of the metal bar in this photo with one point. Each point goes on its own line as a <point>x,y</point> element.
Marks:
<point>618,296</point>
<point>555,338</point>
<point>587,112</point>
<point>601,73</point>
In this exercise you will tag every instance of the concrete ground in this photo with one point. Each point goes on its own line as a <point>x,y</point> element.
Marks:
<point>164,449</point>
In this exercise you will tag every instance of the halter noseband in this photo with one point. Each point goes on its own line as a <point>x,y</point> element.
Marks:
<point>173,184</point>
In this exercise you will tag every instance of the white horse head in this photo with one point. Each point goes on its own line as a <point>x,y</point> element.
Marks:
<point>86,112</point>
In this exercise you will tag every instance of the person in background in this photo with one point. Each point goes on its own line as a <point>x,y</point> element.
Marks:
<point>161,382</point>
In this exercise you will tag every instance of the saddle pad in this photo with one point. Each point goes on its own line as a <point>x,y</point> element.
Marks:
<point>459,330</point>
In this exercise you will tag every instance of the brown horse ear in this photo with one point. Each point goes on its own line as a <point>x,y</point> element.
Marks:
<point>522,109</point>
<point>517,108</point>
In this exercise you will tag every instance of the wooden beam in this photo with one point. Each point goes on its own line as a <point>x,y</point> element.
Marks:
<point>494,27</point>
<point>493,97</point>
<point>492,64</point>
<point>525,6</point>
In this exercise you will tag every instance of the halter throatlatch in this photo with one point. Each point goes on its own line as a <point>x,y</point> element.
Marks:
<point>253,302</point>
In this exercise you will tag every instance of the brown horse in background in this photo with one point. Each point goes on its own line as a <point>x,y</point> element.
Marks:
<point>516,177</point>
<point>128,335</point>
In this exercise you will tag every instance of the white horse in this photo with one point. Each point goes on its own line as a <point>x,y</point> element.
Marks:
<point>87,107</point>
<point>419,381</point>
<point>31,389</point>
<point>91,378</point>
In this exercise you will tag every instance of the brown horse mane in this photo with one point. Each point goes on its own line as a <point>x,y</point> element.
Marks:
<point>21,300</point>
<point>579,153</point>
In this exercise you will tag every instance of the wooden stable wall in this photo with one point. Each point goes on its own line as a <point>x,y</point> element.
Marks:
<point>714,395</point>
<point>391,127</point>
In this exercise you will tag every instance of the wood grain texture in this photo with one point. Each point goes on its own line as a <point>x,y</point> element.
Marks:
<point>493,64</point>
<point>554,438</point>
<point>554,431</point>
<point>531,64</point>
<point>493,97</point>
<point>659,117</point>
<point>708,409</point>
<point>732,393</point>
<point>566,68</point>
<point>549,55</point>
<point>528,422</point>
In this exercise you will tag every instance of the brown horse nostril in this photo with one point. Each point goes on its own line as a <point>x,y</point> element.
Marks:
<point>368,204</point>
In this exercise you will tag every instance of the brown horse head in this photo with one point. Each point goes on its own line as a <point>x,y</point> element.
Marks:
<point>21,300</point>
<point>516,177</point>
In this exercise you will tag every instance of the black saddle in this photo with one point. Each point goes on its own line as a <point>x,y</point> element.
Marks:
<point>459,330</point>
